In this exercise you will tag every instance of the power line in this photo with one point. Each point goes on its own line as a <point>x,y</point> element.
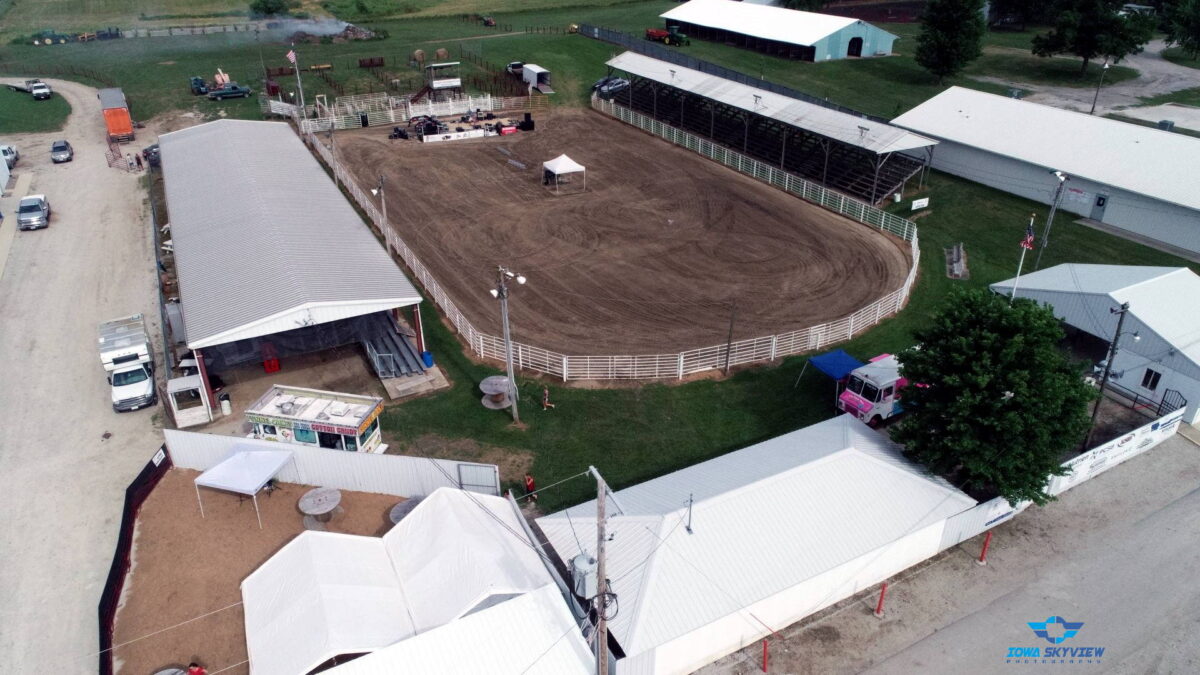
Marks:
<point>541,656</point>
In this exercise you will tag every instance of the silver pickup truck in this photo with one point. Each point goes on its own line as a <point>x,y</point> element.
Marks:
<point>33,213</point>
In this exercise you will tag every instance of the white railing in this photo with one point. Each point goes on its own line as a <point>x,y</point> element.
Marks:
<point>679,364</point>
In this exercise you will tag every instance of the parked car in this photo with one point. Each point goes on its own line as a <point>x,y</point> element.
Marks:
<point>33,213</point>
<point>10,154</point>
<point>199,86</point>
<point>515,68</point>
<point>61,151</point>
<point>612,87</point>
<point>151,155</point>
<point>228,90</point>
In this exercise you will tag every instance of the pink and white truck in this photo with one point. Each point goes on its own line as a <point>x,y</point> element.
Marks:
<point>872,391</point>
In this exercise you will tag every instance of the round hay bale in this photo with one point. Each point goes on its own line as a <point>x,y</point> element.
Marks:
<point>418,55</point>
<point>441,54</point>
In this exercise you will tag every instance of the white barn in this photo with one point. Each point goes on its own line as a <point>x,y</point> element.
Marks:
<point>1138,180</point>
<point>1164,315</point>
<point>774,532</point>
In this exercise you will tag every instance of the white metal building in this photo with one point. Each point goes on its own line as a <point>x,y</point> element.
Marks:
<point>456,555</point>
<point>1138,179</point>
<point>713,557</point>
<point>1159,352</point>
<point>786,32</point>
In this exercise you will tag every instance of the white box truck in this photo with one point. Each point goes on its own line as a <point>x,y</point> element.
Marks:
<point>128,362</point>
<point>536,77</point>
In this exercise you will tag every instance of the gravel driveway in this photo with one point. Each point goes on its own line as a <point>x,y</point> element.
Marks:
<point>1158,76</point>
<point>61,481</point>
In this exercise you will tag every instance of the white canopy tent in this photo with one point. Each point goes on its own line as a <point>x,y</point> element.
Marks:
<point>326,594</point>
<point>244,472</point>
<point>560,166</point>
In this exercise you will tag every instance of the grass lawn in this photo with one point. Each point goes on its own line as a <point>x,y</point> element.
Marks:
<point>19,113</point>
<point>1059,72</point>
<point>23,17</point>
<point>1177,56</point>
<point>1184,96</point>
<point>635,434</point>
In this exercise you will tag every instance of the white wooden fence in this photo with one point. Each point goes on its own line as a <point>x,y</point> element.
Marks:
<point>381,109</point>
<point>679,364</point>
<point>1086,466</point>
<point>398,475</point>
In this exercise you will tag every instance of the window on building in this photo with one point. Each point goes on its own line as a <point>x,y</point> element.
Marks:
<point>351,443</point>
<point>305,436</point>
<point>1150,379</point>
<point>268,430</point>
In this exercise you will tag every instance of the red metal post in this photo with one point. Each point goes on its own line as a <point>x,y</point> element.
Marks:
<point>879,605</point>
<point>203,372</point>
<point>983,554</point>
<point>764,664</point>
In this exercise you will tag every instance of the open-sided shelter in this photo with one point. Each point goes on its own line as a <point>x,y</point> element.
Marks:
<point>556,169</point>
<point>245,472</point>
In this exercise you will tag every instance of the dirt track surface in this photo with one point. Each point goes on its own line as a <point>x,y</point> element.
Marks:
<point>648,260</point>
<point>63,481</point>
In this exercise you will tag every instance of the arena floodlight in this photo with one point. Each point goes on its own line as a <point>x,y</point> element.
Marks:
<point>520,279</point>
<point>495,293</point>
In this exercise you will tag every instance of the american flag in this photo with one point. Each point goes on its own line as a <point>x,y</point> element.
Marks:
<point>1027,242</point>
<point>291,56</point>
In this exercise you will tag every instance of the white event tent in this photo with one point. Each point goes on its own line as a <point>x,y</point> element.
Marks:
<point>327,594</point>
<point>244,471</point>
<point>560,166</point>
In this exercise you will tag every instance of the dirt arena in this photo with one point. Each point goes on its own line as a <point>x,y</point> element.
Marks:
<point>649,259</point>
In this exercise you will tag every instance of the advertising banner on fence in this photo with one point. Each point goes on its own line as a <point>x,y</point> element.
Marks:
<point>1102,458</point>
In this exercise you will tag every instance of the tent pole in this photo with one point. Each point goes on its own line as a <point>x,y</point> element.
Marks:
<point>256,513</point>
<point>199,501</point>
<point>797,384</point>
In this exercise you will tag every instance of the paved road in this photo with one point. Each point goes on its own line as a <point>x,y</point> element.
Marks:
<point>61,483</point>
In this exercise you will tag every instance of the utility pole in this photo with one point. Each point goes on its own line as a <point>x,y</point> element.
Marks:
<point>383,205</point>
<point>1103,72</point>
<point>1112,353</point>
<point>500,292</point>
<point>1062,181</point>
<point>601,580</point>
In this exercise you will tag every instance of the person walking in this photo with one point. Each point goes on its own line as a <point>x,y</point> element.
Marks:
<point>530,488</point>
<point>138,157</point>
<point>546,404</point>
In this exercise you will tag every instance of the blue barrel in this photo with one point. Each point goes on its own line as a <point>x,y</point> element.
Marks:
<point>427,358</point>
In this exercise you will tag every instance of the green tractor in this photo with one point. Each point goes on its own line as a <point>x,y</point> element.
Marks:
<point>670,36</point>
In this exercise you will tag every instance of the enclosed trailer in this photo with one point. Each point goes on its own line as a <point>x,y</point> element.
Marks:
<point>537,77</point>
<point>116,115</point>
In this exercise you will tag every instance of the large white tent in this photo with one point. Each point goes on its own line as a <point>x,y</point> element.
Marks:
<point>326,594</point>
<point>245,472</point>
<point>714,557</point>
<point>561,166</point>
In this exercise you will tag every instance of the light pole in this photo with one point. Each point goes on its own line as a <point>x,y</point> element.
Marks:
<point>1103,72</point>
<point>1108,364</point>
<point>383,204</point>
<point>500,292</point>
<point>1062,181</point>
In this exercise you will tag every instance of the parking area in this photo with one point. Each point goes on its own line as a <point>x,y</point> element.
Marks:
<point>66,457</point>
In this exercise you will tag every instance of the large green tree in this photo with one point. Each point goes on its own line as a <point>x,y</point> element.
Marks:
<point>998,404</point>
<point>805,5</point>
<point>951,36</point>
<point>1091,29</point>
<point>1183,26</point>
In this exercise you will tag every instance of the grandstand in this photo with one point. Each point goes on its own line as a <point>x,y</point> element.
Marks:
<point>859,156</point>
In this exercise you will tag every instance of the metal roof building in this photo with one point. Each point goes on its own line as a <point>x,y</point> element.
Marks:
<point>1159,352</point>
<point>785,32</point>
<point>263,240</point>
<point>1138,179</point>
<point>713,557</point>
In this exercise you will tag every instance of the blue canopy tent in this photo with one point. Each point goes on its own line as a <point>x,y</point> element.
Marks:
<point>837,364</point>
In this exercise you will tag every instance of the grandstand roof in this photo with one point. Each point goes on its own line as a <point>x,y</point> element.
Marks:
<point>761,21</point>
<point>877,137</point>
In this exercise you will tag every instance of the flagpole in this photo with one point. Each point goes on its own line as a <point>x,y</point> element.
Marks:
<point>1021,263</point>
<point>299,84</point>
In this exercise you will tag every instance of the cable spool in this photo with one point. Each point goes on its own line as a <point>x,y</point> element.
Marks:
<point>495,392</point>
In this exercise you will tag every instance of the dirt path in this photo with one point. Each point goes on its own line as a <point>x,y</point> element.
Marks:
<point>1157,76</point>
<point>63,483</point>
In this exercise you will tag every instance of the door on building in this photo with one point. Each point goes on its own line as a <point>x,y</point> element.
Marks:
<point>1098,207</point>
<point>855,47</point>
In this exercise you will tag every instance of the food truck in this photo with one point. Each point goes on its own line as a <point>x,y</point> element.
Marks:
<point>873,390</point>
<point>321,419</point>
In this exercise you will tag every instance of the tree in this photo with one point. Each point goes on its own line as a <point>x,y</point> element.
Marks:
<point>270,7</point>
<point>1092,28</point>
<point>999,404</point>
<point>1183,27</point>
<point>951,36</point>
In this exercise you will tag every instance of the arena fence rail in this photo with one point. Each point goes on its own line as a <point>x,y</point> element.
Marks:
<point>679,364</point>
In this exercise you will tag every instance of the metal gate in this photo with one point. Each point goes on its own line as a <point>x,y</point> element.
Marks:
<point>1171,401</point>
<point>481,478</point>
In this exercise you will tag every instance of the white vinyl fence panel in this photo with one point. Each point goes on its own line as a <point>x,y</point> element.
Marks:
<point>679,364</point>
<point>398,475</point>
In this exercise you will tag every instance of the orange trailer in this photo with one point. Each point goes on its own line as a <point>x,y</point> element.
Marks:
<point>116,115</point>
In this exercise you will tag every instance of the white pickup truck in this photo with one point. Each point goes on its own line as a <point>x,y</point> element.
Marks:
<point>128,361</point>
